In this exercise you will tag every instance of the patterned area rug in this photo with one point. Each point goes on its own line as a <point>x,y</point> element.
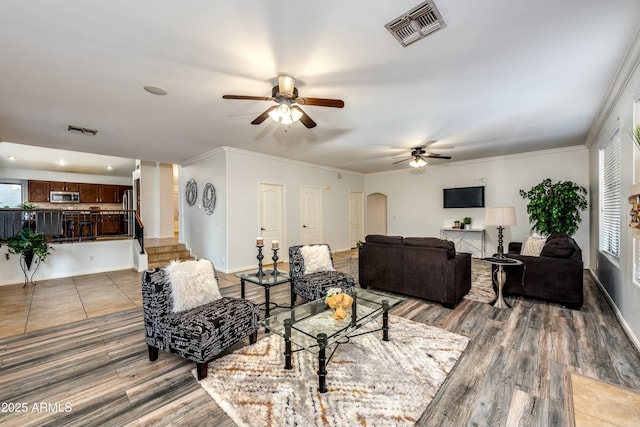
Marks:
<point>371,382</point>
<point>481,287</point>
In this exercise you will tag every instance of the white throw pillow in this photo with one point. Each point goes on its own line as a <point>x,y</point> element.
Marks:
<point>193,284</point>
<point>532,246</point>
<point>316,259</point>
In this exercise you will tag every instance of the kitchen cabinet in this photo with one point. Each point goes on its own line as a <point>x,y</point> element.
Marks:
<point>63,186</point>
<point>108,224</point>
<point>89,193</point>
<point>38,191</point>
<point>109,194</point>
<point>100,193</point>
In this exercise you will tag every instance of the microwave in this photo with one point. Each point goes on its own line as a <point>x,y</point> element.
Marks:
<point>64,197</point>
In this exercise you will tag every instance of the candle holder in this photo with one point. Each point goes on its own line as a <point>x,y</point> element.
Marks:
<point>275,262</point>
<point>260,257</point>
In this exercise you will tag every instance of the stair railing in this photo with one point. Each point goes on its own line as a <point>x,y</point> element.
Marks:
<point>140,233</point>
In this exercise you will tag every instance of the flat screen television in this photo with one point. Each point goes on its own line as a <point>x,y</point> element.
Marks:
<point>463,197</point>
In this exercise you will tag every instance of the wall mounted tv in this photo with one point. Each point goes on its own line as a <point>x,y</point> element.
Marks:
<point>463,197</point>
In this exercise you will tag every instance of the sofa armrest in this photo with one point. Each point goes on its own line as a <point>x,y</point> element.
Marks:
<point>515,247</point>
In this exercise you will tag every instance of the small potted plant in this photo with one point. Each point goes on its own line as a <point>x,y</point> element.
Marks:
<point>31,247</point>
<point>467,222</point>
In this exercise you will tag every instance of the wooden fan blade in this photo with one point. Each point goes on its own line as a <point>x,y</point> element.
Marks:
<point>305,119</point>
<point>251,98</point>
<point>436,156</point>
<point>403,160</point>
<point>321,102</point>
<point>262,117</point>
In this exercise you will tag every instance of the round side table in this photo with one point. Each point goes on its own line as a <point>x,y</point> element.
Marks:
<point>500,277</point>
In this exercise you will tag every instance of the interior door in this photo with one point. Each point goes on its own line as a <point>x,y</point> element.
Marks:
<point>356,217</point>
<point>311,215</point>
<point>272,214</point>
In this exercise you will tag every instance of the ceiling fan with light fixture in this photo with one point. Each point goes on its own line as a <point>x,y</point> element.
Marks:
<point>419,156</point>
<point>287,109</point>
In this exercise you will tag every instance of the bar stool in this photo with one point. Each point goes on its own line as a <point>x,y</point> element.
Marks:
<point>81,228</point>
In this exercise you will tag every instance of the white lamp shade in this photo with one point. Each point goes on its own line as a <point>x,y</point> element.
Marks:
<point>500,216</point>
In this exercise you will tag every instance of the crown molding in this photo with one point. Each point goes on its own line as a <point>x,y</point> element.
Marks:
<point>625,72</point>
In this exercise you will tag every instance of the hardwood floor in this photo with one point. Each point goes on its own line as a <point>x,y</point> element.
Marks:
<point>95,372</point>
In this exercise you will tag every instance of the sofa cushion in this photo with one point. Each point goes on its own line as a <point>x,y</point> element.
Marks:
<point>193,283</point>
<point>559,248</point>
<point>532,246</point>
<point>381,238</point>
<point>432,242</point>
<point>316,259</point>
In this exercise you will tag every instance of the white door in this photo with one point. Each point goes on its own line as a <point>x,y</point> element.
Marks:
<point>272,214</point>
<point>356,217</point>
<point>311,215</point>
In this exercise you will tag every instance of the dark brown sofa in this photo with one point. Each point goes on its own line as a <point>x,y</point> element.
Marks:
<point>556,275</point>
<point>422,267</point>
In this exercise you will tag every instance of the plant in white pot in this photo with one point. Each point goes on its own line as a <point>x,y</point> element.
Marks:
<point>32,248</point>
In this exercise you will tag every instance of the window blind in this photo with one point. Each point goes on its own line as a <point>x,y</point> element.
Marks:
<point>610,209</point>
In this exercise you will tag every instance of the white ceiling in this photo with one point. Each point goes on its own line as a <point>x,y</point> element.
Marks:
<point>503,77</point>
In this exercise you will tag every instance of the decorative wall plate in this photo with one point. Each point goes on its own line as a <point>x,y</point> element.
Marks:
<point>191,192</point>
<point>209,198</point>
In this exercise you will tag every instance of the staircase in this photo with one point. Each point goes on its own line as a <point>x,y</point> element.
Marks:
<point>159,256</point>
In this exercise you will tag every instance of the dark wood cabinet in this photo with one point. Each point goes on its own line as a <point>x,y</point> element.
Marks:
<point>108,224</point>
<point>38,191</point>
<point>110,194</point>
<point>63,186</point>
<point>89,193</point>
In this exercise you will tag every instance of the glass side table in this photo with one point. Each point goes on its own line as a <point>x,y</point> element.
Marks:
<point>267,280</point>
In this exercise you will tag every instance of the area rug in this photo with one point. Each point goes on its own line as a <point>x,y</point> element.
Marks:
<point>481,285</point>
<point>371,382</point>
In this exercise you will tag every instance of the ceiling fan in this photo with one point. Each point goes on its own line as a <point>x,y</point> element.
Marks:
<point>287,109</point>
<point>419,155</point>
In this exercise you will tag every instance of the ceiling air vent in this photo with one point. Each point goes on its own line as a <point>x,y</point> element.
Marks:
<point>84,131</point>
<point>416,24</point>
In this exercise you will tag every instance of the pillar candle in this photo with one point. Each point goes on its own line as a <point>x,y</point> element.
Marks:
<point>275,244</point>
<point>259,241</point>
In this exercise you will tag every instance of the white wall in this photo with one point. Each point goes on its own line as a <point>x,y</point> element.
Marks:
<point>228,236</point>
<point>72,259</point>
<point>414,199</point>
<point>206,235</point>
<point>156,198</point>
<point>616,275</point>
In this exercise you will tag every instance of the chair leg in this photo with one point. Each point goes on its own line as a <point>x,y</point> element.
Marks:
<point>153,353</point>
<point>201,368</point>
<point>253,337</point>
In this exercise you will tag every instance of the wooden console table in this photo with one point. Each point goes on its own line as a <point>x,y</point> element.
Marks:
<point>466,239</point>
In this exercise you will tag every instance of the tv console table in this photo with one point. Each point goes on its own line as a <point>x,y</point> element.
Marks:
<point>466,239</point>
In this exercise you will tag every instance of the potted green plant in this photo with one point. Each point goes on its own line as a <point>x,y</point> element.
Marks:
<point>555,207</point>
<point>467,222</point>
<point>31,247</point>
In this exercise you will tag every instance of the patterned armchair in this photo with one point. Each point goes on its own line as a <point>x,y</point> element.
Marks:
<point>312,286</point>
<point>198,334</point>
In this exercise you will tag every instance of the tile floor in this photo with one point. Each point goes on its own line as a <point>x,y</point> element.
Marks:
<point>59,301</point>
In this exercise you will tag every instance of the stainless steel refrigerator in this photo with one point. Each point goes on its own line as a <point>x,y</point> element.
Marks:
<point>128,204</point>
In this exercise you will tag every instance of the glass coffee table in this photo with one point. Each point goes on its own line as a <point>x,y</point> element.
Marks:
<point>267,280</point>
<point>311,326</point>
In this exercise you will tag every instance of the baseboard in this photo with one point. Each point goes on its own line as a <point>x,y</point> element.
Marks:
<point>625,326</point>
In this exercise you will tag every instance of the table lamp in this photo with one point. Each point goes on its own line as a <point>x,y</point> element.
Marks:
<point>500,217</point>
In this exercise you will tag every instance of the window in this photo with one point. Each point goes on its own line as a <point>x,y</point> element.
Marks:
<point>10,195</point>
<point>610,196</point>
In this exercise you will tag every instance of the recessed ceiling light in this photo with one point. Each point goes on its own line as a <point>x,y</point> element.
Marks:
<point>12,158</point>
<point>109,167</point>
<point>61,162</point>
<point>156,90</point>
